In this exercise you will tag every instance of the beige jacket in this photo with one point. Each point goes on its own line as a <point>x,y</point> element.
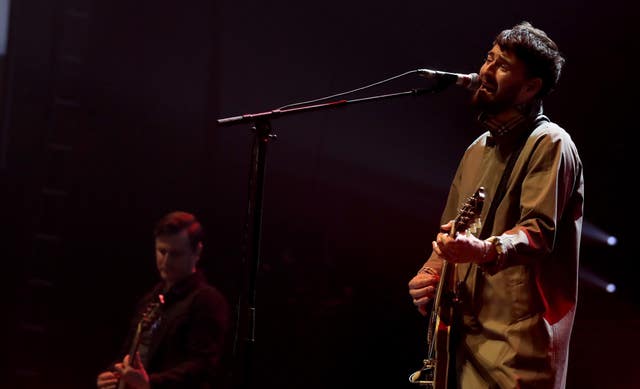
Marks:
<point>518,318</point>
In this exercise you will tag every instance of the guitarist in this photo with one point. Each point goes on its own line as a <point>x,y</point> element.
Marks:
<point>181,347</point>
<point>517,279</point>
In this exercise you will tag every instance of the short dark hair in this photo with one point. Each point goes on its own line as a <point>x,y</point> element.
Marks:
<point>536,50</point>
<point>175,222</point>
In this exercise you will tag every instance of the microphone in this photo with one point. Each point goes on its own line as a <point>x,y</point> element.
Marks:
<point>469,81</point>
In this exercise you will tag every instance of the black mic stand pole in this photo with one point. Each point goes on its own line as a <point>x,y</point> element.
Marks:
<point>246,314</point>
<point>245,325</point>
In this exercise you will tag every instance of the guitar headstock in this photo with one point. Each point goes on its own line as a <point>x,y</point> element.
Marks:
<point>152,313</point>
<point>468,218</point>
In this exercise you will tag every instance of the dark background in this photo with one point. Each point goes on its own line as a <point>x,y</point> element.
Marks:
<point>109,112</point>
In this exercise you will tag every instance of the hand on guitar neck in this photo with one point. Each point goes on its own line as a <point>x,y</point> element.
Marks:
<point>461,247</point>
<point>456,242</point>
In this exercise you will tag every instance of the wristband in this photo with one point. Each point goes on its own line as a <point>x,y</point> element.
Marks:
<point>501,255</point>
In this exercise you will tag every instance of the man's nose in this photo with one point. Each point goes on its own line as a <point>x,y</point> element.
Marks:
<point>490,68</point>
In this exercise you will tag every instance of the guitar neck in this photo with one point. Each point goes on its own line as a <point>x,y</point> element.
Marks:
<point>136,343</point>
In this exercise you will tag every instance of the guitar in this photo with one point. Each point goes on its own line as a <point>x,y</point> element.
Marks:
<point>149,318</point>
<point>434,373</point>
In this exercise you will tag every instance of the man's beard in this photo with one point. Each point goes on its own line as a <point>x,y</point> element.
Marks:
<point>493,103</point>
<point>490,104</point>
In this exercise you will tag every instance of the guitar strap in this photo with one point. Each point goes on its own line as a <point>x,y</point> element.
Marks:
<point>487,225</point>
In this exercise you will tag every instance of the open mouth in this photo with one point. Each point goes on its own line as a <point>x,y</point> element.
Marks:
<point>490,88</point>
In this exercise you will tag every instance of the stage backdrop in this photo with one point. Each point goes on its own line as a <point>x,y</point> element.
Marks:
<point>110,119</point>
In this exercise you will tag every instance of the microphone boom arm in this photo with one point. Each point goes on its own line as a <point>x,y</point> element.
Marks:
<point>441,84</point>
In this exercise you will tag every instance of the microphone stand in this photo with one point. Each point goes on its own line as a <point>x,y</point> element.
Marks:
<point>246,314</point>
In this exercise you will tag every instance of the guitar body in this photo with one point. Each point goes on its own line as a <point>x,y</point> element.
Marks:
<point>436,370</point>
<point>437,366</point>
<point>443,336</point>
<point>443,340</point>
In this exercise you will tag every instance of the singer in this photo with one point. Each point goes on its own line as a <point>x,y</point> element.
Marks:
<point>512,290</point>
<point>181,345</point>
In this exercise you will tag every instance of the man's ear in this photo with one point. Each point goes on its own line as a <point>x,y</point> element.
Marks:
<point>532,86</point>
<point>529,90</point>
